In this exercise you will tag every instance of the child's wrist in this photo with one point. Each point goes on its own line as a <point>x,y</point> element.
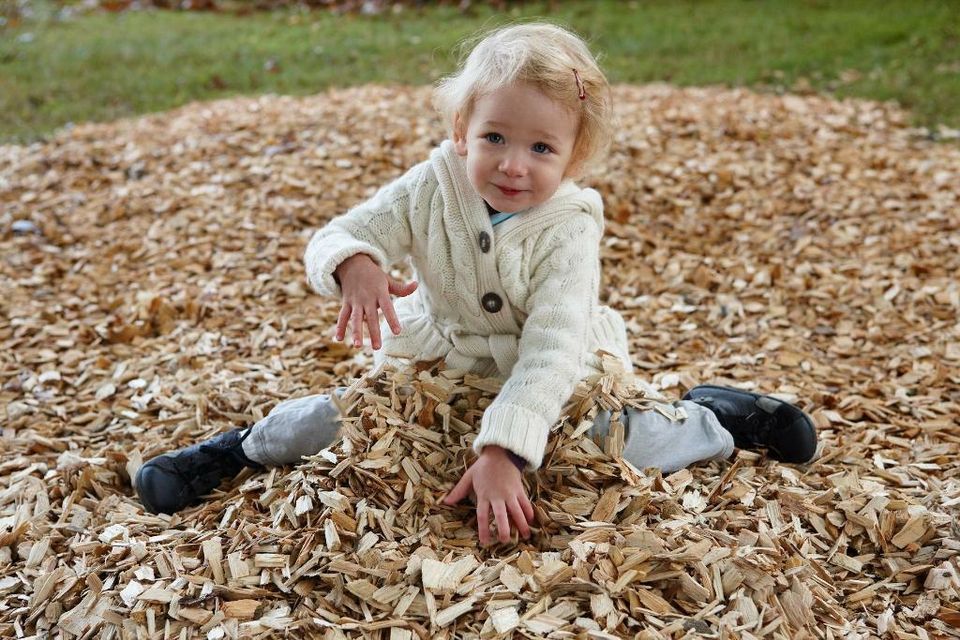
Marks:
<point>517,461</point>
<point>346,263</point>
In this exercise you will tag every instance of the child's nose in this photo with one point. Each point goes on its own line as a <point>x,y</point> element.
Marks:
<point>513,166</point>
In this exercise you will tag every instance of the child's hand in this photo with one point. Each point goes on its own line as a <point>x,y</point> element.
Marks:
<point>366,288</point>
<point>497,482</point>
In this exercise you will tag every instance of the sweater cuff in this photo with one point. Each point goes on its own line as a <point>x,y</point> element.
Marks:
<point>320,266</point>
<point>516,429</point>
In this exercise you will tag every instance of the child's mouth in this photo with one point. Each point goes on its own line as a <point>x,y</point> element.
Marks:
<point>509,192</point>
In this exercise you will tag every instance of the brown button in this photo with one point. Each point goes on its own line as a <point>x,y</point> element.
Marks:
<point>491,302</point>
<point>484,241</point>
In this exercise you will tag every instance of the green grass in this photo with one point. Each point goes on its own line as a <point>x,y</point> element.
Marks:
<point>105,66</point>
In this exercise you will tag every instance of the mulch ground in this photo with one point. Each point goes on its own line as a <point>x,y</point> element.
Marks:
<point>154,295</point>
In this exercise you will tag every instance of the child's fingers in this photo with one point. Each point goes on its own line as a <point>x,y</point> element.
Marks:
<point>397,288</point>
<point>373,325</point>
<point>357,318</point>
<point>503,522</point>
<point>460,491</point>
<point>526,506</point>
<point>519,518</point>
<point>483,522</point>
<point>342,321</point>
<point>390,314</point>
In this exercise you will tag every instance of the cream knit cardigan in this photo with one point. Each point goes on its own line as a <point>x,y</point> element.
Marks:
<point>519,301</point>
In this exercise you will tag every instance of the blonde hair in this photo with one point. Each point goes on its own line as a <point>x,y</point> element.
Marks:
<point>546,56</point>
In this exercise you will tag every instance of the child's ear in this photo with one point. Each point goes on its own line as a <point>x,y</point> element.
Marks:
<point>459,135</point>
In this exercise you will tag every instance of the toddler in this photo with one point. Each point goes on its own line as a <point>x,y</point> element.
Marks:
<point>505,249</point>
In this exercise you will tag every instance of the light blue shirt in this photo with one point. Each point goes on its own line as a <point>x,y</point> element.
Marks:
<point>497,218</point>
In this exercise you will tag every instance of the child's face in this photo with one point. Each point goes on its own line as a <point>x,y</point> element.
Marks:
<point>518,145</point>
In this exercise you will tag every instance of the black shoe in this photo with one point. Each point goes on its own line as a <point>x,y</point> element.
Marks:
<point>168,483</point>
<point>760,421</point>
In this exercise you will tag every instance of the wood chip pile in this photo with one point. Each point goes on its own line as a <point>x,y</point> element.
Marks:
<point>153,295</point>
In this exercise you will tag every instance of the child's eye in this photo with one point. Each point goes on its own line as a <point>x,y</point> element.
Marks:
<point>495,138</point>
<point>541,148</point>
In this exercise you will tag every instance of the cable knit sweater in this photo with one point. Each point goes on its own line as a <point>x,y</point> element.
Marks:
<point>519,301</point>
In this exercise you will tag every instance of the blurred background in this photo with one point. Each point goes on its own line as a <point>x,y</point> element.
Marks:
<point>65,62</point>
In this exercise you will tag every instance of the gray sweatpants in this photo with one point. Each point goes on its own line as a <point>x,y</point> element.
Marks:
<point>303,426</point>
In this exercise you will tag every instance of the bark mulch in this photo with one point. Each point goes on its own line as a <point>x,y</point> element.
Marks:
<point>153,295</point>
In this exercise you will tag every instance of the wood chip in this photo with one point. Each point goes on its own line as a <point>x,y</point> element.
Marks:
<point>795,245</point>
<point>442,577</point>
<point>240,609</point>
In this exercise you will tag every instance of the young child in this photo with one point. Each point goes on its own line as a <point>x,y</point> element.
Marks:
<point>505,248</point>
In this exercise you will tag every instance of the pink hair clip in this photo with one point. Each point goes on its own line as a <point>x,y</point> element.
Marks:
<point>581,92</point>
